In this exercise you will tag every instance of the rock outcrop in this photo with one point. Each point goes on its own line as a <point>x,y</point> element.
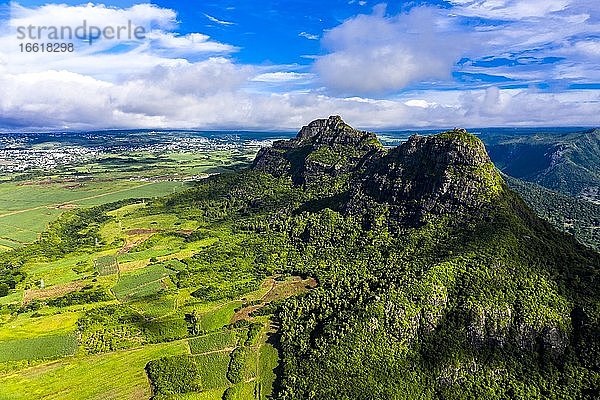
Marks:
<point>445,173</point>
<point>448,173</point>
<point>321,155</point>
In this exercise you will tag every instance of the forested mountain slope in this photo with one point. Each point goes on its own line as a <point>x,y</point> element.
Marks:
<point>436,281</point>
<point>574,215</point>
<point>569,163</point>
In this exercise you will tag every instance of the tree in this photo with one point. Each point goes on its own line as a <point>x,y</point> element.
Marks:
<point>193,321</point>
<point>4,288</point>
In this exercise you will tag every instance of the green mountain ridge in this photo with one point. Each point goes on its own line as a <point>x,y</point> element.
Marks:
<point>567,163</point>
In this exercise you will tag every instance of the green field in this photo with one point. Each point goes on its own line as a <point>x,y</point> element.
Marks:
<point>27,206</point>
<point>171,283</point>
<point>213,342</point>
<point>24,326</point>
<point>219,317</point>
<point>106,265</point>
<point>45,347</point>
<point>268,362</point>
<point>213,370</point>
<point>118,375</point>
<point>25,211</point>
<point>143,283</point>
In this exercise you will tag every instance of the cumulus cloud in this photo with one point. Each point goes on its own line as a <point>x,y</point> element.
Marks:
<point>144,15</point>
<point>201,78</point>
<point>528,41</point>
<point>374,54</point>
<point>160,43</point>
<point>183,97</point>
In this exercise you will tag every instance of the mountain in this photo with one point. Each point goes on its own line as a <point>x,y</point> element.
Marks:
<point>450,172</point>
<point>445,174</point>
<point>325,150</point>
<point>435,279</point>
<point>332,268</point>
<point>569,163</point>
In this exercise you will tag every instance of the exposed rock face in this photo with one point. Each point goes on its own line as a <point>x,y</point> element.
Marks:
<point>446,173</point>
<point>334,131</point>
<point>321,153</point>
<point>442,174</point>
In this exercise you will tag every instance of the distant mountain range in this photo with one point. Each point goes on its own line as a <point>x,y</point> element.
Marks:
<point>569,163</point>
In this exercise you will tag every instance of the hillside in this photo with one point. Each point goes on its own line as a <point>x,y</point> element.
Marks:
<point>569,163</point>
<point>574,215</point>
<point>413,273</point>
<point>437,279</point>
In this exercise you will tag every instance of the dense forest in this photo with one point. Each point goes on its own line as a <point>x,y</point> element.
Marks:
<point>567,163</point>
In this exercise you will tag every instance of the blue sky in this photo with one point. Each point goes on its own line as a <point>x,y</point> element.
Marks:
<point>279,64</point>
<point>266,33</point>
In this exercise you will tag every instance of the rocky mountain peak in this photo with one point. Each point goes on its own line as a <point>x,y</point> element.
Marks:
<point>455,147</point>
<point>322,152</point>
<point>447,173</point>
<point>320,125</point>
<point>332,130</point>
<point>450,172</point>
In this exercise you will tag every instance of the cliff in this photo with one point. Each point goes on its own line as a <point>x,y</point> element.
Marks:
<point>446,173</point>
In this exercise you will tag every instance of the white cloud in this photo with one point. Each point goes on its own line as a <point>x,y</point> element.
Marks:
<point>160,45</point>
<point>419,103</point>
<point>188,44</point>
<point>308,36</point>
<point>211,95</point>
<point>142,15</point>
<point>588,47</point>
<point>218,21</point>
<point>200,79</point>
<point>278,77</point>
<point>509,9</point>
<point>152,83</point>
<point>538,41</point>
<point>378,54</point>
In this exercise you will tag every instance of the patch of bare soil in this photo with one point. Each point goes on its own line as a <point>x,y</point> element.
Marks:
<point>244,313</point>
<point>66,206</point>
<point>279,290</point>
<point>130,245</point>
<point>51,292</point>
